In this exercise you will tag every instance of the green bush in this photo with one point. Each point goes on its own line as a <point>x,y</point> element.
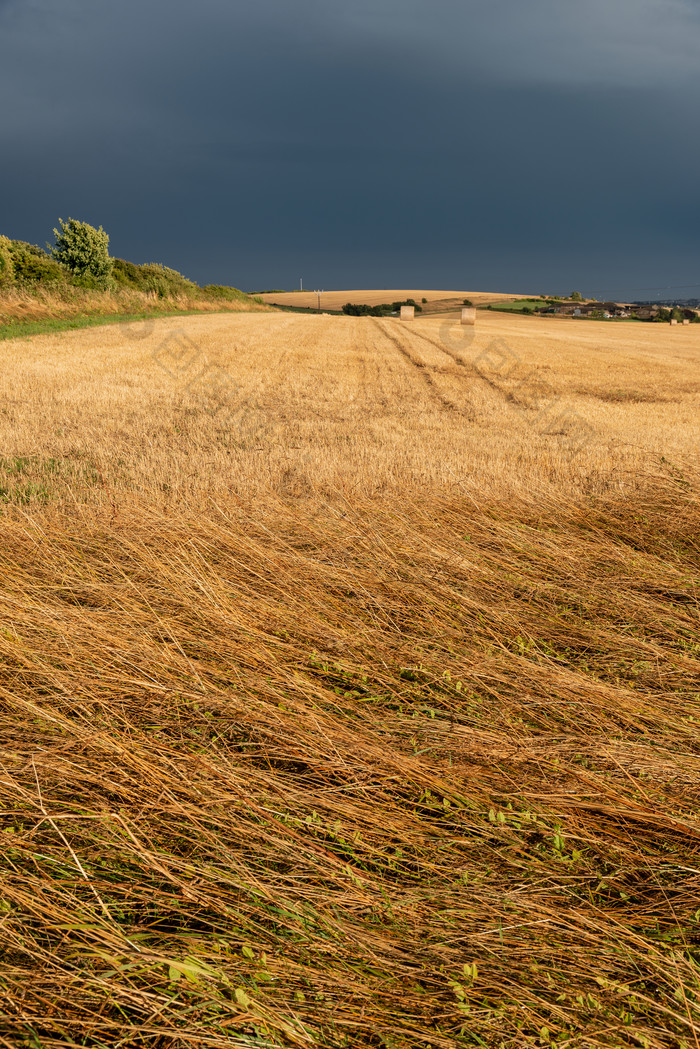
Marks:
<point>220,291</point>
<point>84,251</point>
<point>125,273</point>
<point>152,277</point>
<point>81,257</point>
<point>164,281</point>
<point>674,313</point>
<point>33,265</point>
<point>7,267</point>
<point>360,309</point>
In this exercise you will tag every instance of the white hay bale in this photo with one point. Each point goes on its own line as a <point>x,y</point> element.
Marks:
<point>469,315</point>
<point>674,321</point>
<point>408,313</point>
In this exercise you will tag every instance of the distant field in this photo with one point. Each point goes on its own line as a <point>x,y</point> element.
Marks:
<point>335,300</point>
<point>350,684</point>
<point>518,304</point>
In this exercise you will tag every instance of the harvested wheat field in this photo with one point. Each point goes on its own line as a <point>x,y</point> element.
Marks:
<point>350,684</point>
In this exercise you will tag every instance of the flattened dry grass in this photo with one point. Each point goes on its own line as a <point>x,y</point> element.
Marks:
<point>355,768</point>
<point>278,776</point>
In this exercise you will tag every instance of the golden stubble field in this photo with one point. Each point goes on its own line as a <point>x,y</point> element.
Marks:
<point>190,409</point>
<point>350,685</point>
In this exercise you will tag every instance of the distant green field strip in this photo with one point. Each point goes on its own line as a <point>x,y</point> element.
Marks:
<point>517,304</point>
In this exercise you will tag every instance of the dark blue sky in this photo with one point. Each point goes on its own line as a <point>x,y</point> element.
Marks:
<point>480,144</point>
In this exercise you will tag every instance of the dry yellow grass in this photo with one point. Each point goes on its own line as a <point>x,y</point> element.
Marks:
<point>65,301</point>
<point>335,300</point>
<point>350,697</point>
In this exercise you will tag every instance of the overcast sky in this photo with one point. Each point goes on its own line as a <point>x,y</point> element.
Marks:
<point>467,144</point>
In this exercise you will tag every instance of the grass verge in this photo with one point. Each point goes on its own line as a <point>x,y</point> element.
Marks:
<point>24,329</point>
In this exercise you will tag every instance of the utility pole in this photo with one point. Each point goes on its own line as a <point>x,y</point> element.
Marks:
<point>319,299</point>
<point>301,284</point>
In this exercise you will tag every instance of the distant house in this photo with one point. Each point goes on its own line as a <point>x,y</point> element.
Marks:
<point>646,313</point>
<point>616,309</point>
<point>593,309</point>
<point>596,309</point>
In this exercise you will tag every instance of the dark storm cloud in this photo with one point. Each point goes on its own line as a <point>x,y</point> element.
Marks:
<point>482,143</point>
<point>629,42</point>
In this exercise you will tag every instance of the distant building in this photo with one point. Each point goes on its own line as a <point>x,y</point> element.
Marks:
<point>646,313</point>
<point>610,310</point>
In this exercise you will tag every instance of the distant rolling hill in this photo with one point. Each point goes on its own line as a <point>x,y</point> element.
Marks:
<point>438,301</point>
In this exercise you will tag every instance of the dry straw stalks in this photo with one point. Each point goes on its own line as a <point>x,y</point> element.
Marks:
<point>392,771</point>
<point>352,776</point>
<point>63,302</point>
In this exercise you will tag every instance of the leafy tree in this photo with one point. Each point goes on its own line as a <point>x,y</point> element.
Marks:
<point>84,251</point>
<point>7,268</point>
<point>576,296</point>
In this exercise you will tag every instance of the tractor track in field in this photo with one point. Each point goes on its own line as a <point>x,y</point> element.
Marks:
<point>467,365</point>
<point>441,346</point>
<point>467,409</point>
<point>423,370</point>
